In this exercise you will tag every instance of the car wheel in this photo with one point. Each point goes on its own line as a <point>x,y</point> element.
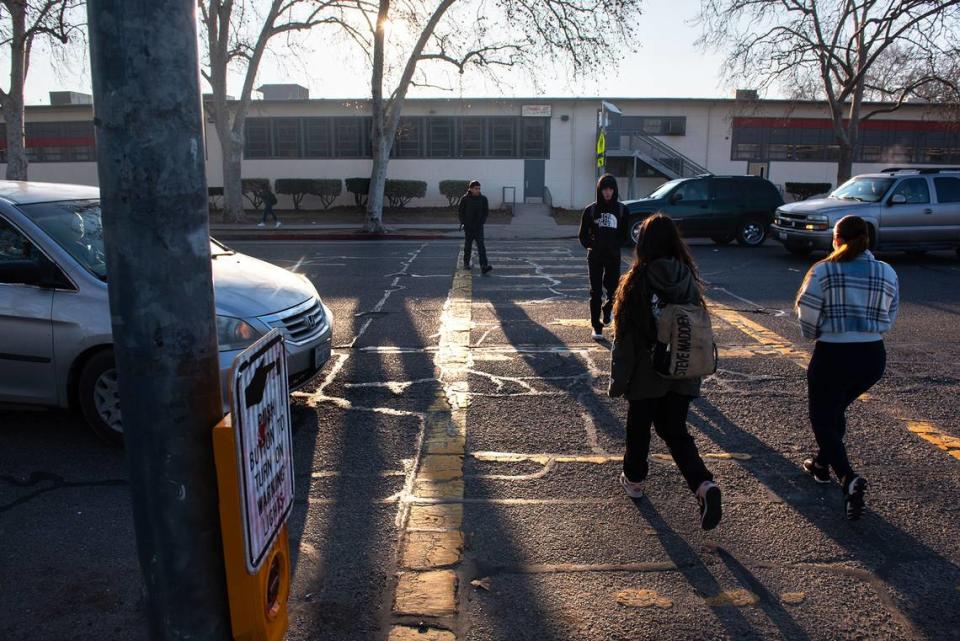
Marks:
<point>635,230</point>
<point>751,232</point>
<point>799,250</point>
<point>100,397</point>
<point>722,240</point>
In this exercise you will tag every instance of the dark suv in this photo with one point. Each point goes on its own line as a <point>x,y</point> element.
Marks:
<point>722,208</point>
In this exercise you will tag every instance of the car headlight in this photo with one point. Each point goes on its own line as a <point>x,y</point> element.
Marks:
<point>233,333</point>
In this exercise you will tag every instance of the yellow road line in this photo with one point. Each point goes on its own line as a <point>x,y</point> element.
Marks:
<point>431,540</point>
<point>785,348</point>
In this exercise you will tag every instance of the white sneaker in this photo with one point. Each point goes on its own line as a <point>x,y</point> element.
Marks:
<point>633,490</point>
<point>597,336</point>
<point>261,225</point>
<point>278,224</point>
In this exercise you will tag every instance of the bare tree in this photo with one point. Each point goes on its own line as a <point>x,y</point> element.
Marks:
<point>482,36</point>
<point>23,23</point>
<point>237,34</point>
<point>851,53</point>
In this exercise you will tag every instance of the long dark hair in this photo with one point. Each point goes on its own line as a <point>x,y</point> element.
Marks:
<point>658,238</point>
<point>853,238</point>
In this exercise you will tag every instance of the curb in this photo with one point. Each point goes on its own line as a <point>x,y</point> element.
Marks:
<point>325,236</point>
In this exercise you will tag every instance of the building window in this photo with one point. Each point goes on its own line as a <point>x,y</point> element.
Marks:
<point>535,137</point>
<point>316,137</point>
<point>440,137</point>
<point>409,142</point>
<point>654,125</point>
<point>502,134</point>
<point>471,138</point>
<point>256,143</point>
<point>812,140</point>
<point>286,138</point>
<point>348,137</point>
<point>55,142</point>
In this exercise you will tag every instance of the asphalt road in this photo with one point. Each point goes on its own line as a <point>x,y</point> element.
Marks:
<point>555,548</point>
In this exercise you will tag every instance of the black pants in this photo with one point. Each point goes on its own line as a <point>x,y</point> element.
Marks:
<point>268,211</point>
<point>471,236</point>
<point>668,415</point>
<point>604,274</point>
<point>837,375</point>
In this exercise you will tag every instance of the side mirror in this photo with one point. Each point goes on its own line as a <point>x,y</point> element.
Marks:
<point>898,199</point>
<point>675,198</point>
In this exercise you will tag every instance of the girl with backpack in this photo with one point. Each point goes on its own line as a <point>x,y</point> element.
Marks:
<point>847,302</point>
<point>663,277</point>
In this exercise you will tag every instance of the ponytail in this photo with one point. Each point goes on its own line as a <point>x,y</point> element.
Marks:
<point>852,234</point>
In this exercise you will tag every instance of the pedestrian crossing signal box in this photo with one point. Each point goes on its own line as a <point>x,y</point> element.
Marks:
<point>253,453</point>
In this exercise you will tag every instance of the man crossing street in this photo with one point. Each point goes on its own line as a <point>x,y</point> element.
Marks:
<point>474,210</point>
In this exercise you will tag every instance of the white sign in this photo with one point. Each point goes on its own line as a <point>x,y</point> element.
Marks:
<point>536,111</point>
<point>261,424</point>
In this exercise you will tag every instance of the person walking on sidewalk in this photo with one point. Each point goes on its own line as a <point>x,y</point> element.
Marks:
<point>603,231</point>
<point>846,303</point>
<point>474,210</point>
<point>663,272</point>
<point>269,200</point>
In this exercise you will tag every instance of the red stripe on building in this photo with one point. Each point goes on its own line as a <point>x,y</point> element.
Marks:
<point>36,143</point>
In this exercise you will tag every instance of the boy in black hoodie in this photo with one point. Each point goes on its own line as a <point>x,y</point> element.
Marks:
<point>603,231</point>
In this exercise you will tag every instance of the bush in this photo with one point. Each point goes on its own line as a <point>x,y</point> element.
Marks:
<point>359,187</point>
<point>802,191</point>
<point>400,192</point>
<point>326,189</point>
<point>215,197</point>
<point>251,189</point>
<point>454,190</point>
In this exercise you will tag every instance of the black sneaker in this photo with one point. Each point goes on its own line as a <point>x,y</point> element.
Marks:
<point>820,473</point>
<point>486,269</point>
<point>607,317</point>
<point>711,511</point>
<point>466,266</point>
<point>853,491</point>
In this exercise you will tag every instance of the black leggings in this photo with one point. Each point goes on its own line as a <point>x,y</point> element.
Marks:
<point>838,374</point>
<point>668,414</point>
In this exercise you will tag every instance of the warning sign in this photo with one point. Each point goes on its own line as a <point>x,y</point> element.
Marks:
<point>261,410</point>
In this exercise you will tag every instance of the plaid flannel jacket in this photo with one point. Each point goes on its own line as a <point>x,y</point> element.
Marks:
<point>861,296</point>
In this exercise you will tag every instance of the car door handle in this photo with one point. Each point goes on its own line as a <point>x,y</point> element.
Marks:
<point>928,211</point>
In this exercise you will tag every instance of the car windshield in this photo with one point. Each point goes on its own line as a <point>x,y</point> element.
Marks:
<point>77,226</point>
<point>663,189</point>
<point>867,190</point>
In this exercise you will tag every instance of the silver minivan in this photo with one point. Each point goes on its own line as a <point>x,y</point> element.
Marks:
<point>55,333</point>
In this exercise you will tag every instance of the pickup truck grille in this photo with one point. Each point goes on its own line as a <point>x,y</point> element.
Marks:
<point>790,221</point>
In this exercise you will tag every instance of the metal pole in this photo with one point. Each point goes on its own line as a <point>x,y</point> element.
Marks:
<point>154,200</point>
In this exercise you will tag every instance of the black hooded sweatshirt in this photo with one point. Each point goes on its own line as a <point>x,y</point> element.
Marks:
<point>603,226</point>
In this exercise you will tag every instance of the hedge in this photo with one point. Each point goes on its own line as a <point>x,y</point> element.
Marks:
<point>359,187</point>
<point>326,189</point>
<point>401,192</point>
<point>454,190</point>
<point>802,191</point>
<point>252,188</point>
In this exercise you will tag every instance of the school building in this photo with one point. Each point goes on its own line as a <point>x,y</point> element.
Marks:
<point>527,148</point>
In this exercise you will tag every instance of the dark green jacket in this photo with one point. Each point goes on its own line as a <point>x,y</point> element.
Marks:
<point>631,368</point>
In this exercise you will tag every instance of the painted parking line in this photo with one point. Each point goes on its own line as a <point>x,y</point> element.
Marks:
<point>431,514</point>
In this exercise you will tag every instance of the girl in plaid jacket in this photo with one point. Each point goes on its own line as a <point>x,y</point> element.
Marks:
<point>846,303</point>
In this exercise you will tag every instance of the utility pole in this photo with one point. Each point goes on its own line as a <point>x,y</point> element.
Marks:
<point>150,148</point>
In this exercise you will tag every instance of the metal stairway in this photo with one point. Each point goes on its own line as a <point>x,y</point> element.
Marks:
<point>660,156</point>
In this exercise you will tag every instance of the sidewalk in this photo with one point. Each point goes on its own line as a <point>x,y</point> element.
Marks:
<point>530,222</point>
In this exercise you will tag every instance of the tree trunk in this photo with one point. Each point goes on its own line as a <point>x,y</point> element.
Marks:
<point>232,160</point>
<point>844,162</point>
<point>16,151</point>
<point>378,181</point>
